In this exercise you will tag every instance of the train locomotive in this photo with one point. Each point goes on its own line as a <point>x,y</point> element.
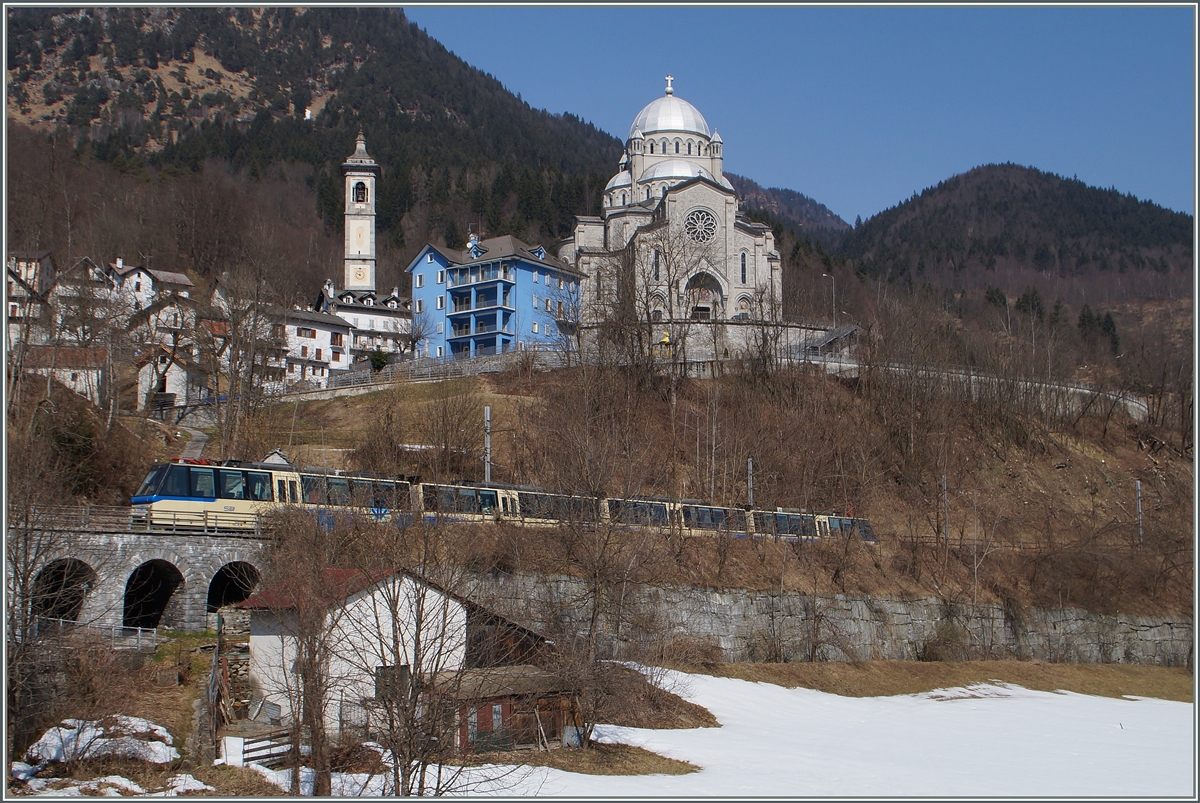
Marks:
<point>205,496</point>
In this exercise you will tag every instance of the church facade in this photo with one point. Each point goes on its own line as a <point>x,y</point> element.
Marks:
<point>671,239</point>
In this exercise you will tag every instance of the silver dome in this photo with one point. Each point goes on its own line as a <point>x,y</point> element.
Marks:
<point>679,169</point>
<point>669,113</point>
<point>622,179</point>
<point>674,168</point>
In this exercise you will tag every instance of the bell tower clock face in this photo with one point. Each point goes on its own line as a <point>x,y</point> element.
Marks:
<point>360,274</point>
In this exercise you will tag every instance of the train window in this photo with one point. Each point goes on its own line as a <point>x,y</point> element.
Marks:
<point>865,531</point>
<point>281,490</point>
<point>292,494</point>
<point>231,483</point>
<point>504,504</point>
<point>202,483</point>
<point>737,520</point>
<point>383,495</point>
<point>430,497</point>
<point>654,513</point>
<point>808,526</point>
<point>364,495</point>
<point>764,523</point>
<point>260,485</point>
<point>176,483</point>
<point>152,480</point>
<point>314,489</point>
<point>487,501</point>
<point>339,491</point>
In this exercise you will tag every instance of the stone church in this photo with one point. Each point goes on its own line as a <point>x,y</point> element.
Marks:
<point>671,236</point>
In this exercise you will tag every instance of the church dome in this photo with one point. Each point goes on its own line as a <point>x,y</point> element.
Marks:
<point>622,179</point>
<point>669,113</point>
<point>675,169</point>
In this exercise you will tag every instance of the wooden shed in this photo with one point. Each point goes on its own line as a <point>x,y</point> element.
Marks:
<point>513,708</point>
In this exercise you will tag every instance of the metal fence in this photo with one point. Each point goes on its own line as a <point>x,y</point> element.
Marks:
<point>94,518</point>
<point>116,636</point>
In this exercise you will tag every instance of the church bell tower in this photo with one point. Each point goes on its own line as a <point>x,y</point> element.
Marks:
<point>361,174</point>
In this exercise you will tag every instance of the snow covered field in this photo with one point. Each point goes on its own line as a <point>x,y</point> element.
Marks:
<point>987,740</point>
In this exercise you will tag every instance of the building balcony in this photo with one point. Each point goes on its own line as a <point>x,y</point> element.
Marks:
<point>487,304</point>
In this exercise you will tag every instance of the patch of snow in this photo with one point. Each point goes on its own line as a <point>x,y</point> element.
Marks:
<point>117,737</point>
<point>23,772</point>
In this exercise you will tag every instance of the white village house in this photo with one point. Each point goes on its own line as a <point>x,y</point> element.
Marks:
<point>367,659</point>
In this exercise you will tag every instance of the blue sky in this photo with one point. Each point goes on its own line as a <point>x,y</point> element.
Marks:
<point>861,107</point>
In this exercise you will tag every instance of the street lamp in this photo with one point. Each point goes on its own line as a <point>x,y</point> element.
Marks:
<point>832,279</point>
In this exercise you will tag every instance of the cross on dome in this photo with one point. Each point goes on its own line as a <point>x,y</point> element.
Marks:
<point>670,89</point>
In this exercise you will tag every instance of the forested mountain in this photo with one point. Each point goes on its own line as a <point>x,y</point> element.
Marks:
<point>788,206</point>
<point>1012,225</point>
<point>171,88</point>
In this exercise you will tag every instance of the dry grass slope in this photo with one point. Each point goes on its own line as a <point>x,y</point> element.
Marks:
<point>884,678</point>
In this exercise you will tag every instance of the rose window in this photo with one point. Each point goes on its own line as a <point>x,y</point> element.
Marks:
<point>701,226</point>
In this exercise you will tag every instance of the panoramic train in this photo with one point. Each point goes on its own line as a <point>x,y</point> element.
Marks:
<point>201,495</point>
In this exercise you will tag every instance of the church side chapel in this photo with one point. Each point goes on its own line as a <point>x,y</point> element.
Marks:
<point>671,232</point>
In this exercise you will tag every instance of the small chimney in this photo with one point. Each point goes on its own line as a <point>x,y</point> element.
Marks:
<point>396,292</point>
<point>473,240</point>
<point>120,263</point>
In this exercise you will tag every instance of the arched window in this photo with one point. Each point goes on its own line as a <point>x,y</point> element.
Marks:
<point>622,199</point>
<point>677,146</point>
<point>689,147</point>
<point>743,268</point>
<point>664,190</point>
<point>651,147</point>
<point>647,193</point>
<point>360,193</point>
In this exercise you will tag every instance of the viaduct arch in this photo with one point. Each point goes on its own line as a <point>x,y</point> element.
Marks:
<point>146,579</point>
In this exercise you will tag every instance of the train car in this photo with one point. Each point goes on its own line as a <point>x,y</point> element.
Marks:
<point>201,495</point>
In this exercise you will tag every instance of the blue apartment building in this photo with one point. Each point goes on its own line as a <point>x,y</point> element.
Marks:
<point>496,295</point>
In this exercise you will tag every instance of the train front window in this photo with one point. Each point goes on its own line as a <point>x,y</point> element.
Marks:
<point>203,484</point>
<point>152,479</point>
<point>176,483</point>
<point>293,494</point>
<point>488,500</point>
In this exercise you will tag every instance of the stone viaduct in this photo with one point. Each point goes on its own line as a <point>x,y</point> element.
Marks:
<point>94,567</point>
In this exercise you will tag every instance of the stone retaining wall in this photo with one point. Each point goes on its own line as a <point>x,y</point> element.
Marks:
<point>751,625</point>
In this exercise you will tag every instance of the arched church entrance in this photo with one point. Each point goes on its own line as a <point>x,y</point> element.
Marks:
<point>151,598</point>
<point>704,298</point>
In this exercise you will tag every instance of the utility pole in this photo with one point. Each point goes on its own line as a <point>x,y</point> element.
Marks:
<point>1139,505</point>
<point>945,515</point>
<point>487,444</point>
<point>831,278</point>
<point>750,480</point>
